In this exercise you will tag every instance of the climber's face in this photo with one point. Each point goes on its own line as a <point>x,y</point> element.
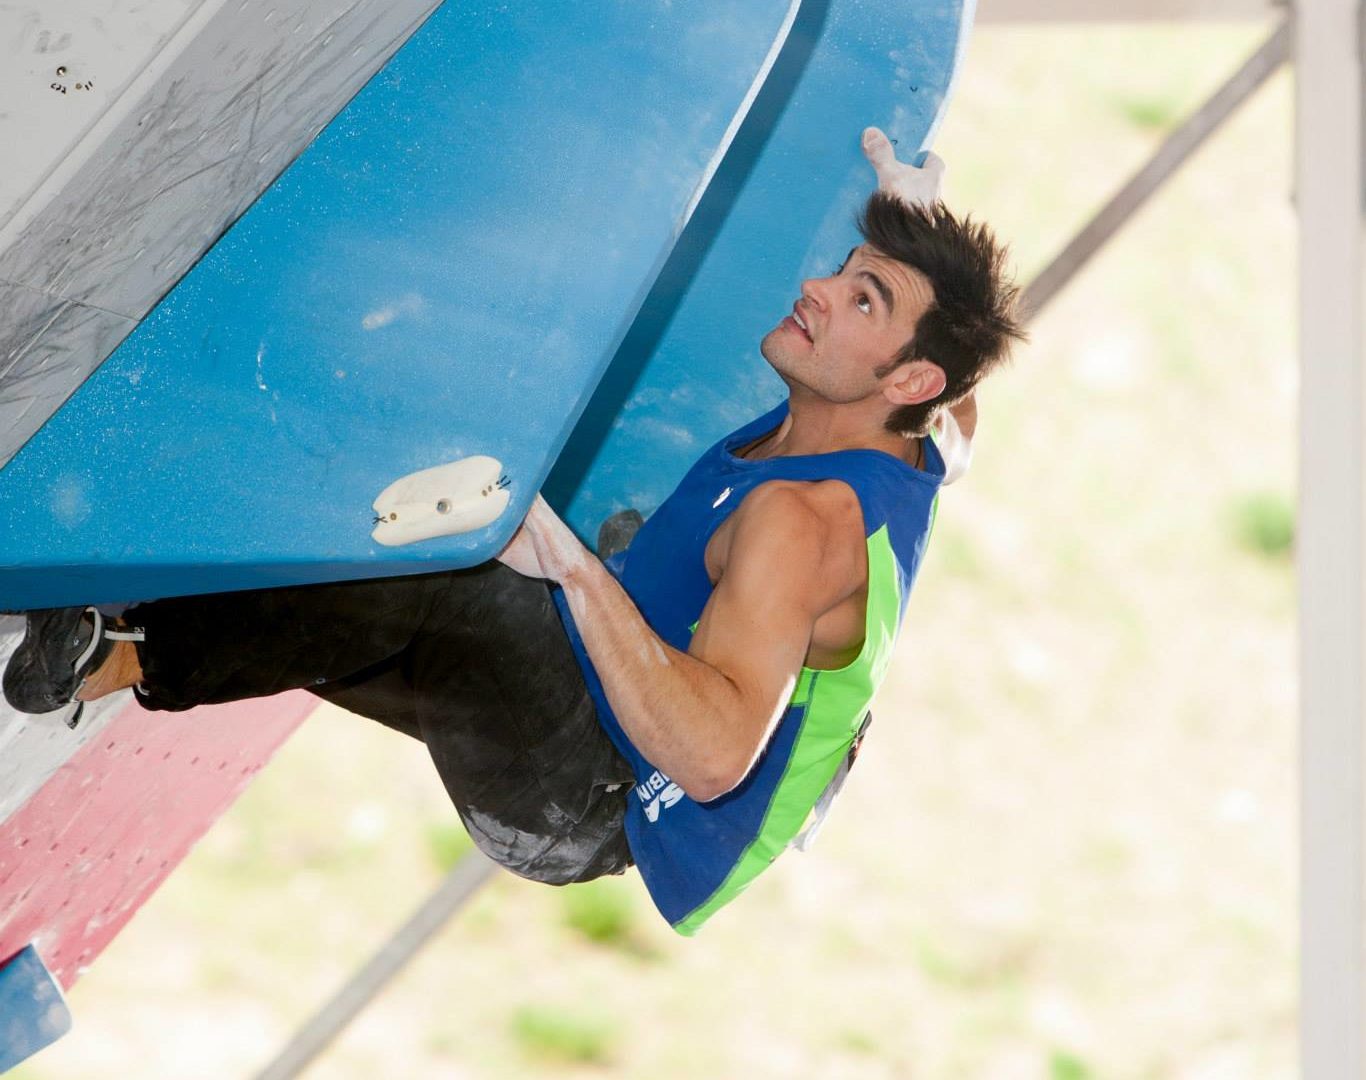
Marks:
<point>844,339</point>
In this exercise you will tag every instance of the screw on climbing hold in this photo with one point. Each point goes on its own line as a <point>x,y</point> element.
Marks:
<point>443,506</point>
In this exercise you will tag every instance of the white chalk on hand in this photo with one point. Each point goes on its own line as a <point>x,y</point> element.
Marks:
<point>916,186</point>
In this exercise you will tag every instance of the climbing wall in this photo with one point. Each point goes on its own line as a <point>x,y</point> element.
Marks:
<point>93,820</point>
<point>135,132</point>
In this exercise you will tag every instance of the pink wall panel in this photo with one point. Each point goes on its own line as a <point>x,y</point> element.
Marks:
<point>98,838</point>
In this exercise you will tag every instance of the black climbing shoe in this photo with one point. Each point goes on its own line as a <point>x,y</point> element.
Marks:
<point>616,533</point>
<point>61,647</point>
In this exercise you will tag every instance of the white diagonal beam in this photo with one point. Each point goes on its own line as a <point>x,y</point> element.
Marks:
<point>1116,11</point>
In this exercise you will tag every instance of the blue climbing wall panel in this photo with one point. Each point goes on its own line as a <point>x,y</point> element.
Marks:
<point>495,221</point>
<point>33,1013</point>
<point>780,208</point>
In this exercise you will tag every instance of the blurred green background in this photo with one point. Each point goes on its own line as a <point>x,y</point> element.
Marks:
<point>1069,849</point>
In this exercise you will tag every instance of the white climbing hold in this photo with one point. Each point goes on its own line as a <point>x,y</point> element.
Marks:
<point>458,497</point>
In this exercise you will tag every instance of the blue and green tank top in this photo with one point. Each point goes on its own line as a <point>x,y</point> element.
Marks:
<point>696,857</point>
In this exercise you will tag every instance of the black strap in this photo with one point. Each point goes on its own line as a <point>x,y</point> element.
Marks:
<point>803,840</point>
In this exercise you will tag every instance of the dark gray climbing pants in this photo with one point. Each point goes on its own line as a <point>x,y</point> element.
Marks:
<point>474,663</point>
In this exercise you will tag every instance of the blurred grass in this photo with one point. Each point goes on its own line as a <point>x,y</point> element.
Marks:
<point>560,1036</point>
<point>1151,112</point>
<point>607,912</point>
<point>447,844</point>
<point>1068,849</point>
<point>1264,523</point>
<point>1065,1066</point>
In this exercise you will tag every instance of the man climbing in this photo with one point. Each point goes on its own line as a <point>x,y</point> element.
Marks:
<point>693,703</point>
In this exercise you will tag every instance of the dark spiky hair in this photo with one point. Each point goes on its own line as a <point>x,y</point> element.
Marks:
<point>969,327</point>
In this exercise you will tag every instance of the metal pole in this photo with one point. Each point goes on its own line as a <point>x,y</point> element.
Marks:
<point>1179,145</point>
<point>1331,536</point>
<point>458,886</point>
<point>998,12</point>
